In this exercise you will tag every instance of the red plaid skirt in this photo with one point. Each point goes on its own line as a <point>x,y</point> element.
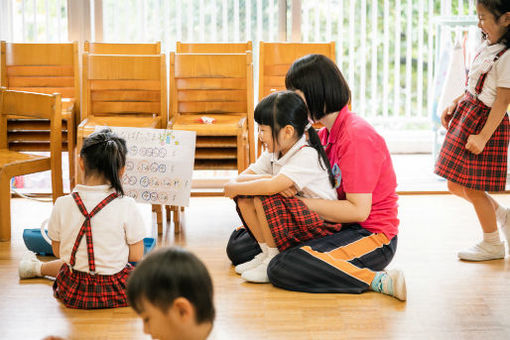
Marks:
<point>85,291</point>
<point>486,171</point>
<point>292,223</point>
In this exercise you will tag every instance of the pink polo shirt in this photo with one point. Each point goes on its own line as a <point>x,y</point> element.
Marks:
<point>365,167</point>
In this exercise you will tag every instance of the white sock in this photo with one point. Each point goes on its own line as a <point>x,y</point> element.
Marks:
<point>492,238</point>
<point>272,252</point>
<point>38,267</point>
<point>263,246</point>
<point>501,214</point>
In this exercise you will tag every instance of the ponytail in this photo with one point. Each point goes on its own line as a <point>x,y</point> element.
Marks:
<point>315,142</point>
<point>104,153</point>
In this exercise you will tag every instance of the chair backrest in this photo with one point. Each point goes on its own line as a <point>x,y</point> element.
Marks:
<point>42,68</point>
<point>213,47</point>
<point>119,85</point>
<point>122,48</point>
<point>211,83</point>
<point>40,106</point>
<point>275,60</point>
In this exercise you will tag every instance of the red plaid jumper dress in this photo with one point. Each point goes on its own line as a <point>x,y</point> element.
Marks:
<point>487,170</point>
<point>90,290</point>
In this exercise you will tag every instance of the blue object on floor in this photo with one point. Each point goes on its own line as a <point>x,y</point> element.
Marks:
<point>148,244</point>
<point>36,243</point>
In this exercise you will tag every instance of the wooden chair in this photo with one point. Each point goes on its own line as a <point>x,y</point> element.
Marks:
<point>275,60</point>
<point>14,163</point>
<point>218,86</point>
<point>124,90</point>
<point>122,48</point>
<point>43,68</point>
<point>213,47</point>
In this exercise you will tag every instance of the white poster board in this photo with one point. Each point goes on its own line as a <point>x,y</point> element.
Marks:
<point>159,164</point>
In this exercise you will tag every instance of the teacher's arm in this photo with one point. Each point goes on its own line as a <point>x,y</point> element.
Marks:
<point>355,208</point>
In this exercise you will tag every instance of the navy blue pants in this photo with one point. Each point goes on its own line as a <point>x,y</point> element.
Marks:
<point>344,262</point>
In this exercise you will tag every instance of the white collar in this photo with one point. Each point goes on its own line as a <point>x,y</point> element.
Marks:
<point>292,151</point>
<point>93,188</point>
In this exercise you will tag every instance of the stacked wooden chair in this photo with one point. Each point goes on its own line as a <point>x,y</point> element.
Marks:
<point>43,68</point>
<point>14,163</point>
<point>213,47</point>
<point>122,48</point>
<point>275,60</point>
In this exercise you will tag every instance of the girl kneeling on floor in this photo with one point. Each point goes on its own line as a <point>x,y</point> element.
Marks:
<point>95,231</point>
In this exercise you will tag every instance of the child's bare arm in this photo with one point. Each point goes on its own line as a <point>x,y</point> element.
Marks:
<point>248,175</point>
<point>262,186</point>
<point>55,246</point>
<point>476,143</point>
<point>135,251</point>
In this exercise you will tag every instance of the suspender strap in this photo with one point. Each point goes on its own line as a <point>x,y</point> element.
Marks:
<point>86,229</point>
<point>483,76</point>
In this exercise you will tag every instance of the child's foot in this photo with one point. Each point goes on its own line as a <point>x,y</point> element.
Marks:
<point>256,261</point>
<point>257,274</point>
<point>483,251</point>
<point>29,266</point>
<point>390,282</point>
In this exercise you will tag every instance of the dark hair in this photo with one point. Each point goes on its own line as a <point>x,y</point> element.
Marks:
<point>169,273</point>
<point>287,108</point>
<point>498,8</point>
<point>103,152</point>
<point>322,83</point>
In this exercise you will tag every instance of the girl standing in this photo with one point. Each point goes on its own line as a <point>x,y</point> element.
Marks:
<point>473,157</point>
<point>95,231</point>
<point>289,161</point>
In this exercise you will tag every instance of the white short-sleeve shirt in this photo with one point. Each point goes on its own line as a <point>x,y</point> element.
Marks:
<point>116,226</point>
<point>498,76</point>
<point>301,165</point>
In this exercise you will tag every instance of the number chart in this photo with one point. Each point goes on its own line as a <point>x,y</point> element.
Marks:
<point>159,164</point>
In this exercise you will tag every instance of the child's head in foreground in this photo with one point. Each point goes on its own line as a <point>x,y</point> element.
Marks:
<point>172,292</point>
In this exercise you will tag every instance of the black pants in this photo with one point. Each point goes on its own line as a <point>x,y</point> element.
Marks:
<point>344,262</point>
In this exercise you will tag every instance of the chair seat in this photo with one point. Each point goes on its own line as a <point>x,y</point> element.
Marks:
<point>224,125</point>
<point>16,163</point>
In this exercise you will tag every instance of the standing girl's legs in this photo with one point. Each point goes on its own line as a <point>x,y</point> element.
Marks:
<point>491,247</point>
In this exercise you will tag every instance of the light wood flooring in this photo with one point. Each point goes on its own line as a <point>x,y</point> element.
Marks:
<point>447,298</point>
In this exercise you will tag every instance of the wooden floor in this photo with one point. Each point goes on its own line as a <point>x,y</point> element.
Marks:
<point>447,298</point>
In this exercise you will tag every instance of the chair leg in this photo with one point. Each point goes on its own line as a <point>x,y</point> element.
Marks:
<point>177,219</point>
<point>5,208</point>
<point>71,150</point>
<point>168,209</point>
<point>158,209</point>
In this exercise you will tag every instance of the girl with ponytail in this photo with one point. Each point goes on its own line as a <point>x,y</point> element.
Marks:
<point>291,162</point>
<point>95,231</point>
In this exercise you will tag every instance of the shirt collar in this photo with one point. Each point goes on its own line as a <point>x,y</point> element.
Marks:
<point>93,188</point>
<point>336,129</point>
<point>295,148</point>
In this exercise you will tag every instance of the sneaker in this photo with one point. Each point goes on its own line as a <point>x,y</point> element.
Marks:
<point>29,266</point>
<point>256,261</point>
<point>391,282</point>
<point>483,252</point>
<point>257,274</point>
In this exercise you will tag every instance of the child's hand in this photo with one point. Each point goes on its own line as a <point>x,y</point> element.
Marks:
<point>475,144</point>
<point>446,116</point>
<point>289,192</point>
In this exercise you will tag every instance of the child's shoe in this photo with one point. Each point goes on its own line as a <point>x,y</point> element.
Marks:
<point>483,251</point>
<point>258,274</point>
<point>390,282</point>
<point>256,261</point>
<point>29,266</point>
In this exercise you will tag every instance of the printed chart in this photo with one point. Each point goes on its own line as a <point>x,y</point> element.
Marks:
<point>159,164</point>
